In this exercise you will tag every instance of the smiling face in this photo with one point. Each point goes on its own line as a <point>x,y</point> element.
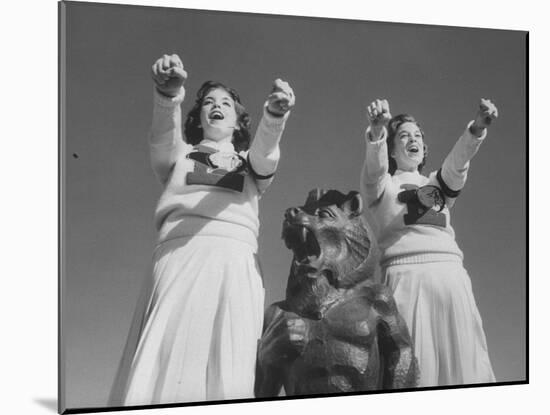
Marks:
<point>218,115</point>
<point>408,151</point>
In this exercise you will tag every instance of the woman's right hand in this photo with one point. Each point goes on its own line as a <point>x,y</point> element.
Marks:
<point>378,115</point>
<point>168,75</point>
<point>281,99</point>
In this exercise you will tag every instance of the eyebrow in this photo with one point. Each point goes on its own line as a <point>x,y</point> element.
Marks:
<point>400,133</point>
<point>223,99</point>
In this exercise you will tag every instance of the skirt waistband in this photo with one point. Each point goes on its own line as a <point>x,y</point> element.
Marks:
<point>421,259</point>
<point>225,241</point>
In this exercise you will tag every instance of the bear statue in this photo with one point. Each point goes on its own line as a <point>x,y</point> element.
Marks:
<point>337,330</point>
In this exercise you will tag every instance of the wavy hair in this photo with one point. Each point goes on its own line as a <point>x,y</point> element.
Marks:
<point>193,130</point>
<point>393,126</point>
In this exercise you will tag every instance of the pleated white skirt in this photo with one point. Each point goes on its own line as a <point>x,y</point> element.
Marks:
<point>195,333</point>
<point>437,303</point>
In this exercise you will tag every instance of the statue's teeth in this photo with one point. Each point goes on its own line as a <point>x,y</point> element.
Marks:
<point>304,235</point>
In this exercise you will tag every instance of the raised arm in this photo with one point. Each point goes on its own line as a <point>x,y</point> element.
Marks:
<point>375,167</point>
<point>264,151</point>
<point>454,171</point>
<point>165,138</point>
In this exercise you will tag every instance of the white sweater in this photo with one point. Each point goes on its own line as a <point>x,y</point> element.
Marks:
<point>195,200</point>
<point>406,228</point>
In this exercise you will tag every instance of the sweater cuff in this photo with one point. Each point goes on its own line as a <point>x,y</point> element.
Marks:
<point>168,102</point>
<point>368,136</point>
<point>473,137</point>
<point>376,155</point>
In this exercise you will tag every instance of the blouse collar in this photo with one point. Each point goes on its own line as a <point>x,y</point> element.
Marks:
<point>399,172</point>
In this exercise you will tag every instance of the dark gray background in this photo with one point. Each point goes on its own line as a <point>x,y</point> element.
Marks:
<point>336,67</point>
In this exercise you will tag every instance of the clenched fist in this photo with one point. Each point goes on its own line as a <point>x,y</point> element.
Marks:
<point>281,99</point>
<point>168,75</point>
<point>378,115</point>
<point>485,115</point>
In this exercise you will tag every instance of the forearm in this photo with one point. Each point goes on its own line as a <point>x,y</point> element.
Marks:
<point>165,137</point>
<point>454,170</point>
<point>405,372</point>
<point>375,166</point>
<point>268,381</point>
<point>401,367</point>
<point>264,151</point>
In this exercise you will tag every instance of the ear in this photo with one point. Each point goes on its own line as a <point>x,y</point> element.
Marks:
<point>354,203</point>
<point>314,195</point>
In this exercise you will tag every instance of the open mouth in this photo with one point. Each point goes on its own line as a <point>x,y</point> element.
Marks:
<point>302,242</point>
<point>215,115</point>
<point>413,148</point>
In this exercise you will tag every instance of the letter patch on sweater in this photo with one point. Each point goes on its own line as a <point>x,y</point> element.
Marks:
<point>216,168</point>
<point>424,205</point>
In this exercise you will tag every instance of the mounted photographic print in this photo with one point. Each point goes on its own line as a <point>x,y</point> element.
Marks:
<point>274,207</point>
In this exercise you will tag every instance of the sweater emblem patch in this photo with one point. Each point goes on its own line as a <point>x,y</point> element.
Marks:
<point>424,205</point>
<point>216,168</point>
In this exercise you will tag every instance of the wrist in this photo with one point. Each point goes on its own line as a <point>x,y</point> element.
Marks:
<point>273,118</point>
<point>476,130</point>
<point>163,100</point>
<point>273,113</point>
<point>167,93</point>
<point>375,133</point>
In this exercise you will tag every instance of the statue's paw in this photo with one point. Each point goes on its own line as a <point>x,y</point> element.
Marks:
<point>297,333</point>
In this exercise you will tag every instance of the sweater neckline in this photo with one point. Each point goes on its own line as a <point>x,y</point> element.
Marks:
<point>401,172</point>
<point>224,147</point>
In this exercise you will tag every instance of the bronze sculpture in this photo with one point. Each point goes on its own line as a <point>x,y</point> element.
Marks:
<point>337,330</point>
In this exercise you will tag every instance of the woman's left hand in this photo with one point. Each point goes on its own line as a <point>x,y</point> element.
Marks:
<point>485,115</point>
<point>281,99</point>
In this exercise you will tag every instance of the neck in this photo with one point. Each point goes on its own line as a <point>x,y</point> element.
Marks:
<point>408,167</point>
<point>405,170</point>
<point>225,144</point>
<point>218,141</point>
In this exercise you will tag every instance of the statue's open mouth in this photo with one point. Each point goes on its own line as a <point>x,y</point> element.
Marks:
<point>302,242</point>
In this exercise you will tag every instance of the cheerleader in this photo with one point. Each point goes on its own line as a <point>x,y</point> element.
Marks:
<point>194,336</point>
<point>421,261</point>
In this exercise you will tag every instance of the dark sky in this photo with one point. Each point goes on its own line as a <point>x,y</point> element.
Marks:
<point>336,68</point>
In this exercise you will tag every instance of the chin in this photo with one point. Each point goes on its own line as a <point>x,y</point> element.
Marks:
<point>413,162</point>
